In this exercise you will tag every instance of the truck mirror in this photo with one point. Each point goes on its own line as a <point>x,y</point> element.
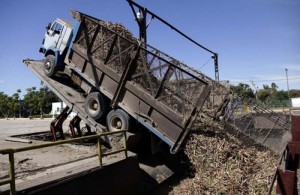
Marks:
<point>49,25</point>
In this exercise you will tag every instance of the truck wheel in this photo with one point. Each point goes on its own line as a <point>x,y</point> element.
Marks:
<point>95,105</point>
<point>49,65</point>
<point>117,120</point>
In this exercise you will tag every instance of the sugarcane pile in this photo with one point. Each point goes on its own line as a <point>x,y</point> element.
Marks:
<point>221,164</point>
<point>120,29</point>
<point>97,39</point>
<point>103,40</point>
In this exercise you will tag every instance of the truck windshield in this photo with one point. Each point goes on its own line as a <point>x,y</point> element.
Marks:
<point>56,27</point>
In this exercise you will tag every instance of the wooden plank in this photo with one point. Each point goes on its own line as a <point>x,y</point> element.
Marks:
<point>14,139</point>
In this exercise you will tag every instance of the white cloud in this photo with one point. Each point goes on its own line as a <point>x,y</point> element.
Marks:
<point>1,81</point>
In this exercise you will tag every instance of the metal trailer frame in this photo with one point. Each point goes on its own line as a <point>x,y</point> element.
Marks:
<point>63,88</point>
<point>120,80</point>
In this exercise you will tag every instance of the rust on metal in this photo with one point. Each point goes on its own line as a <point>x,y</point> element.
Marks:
<point>288,163</point>
<point>75,125</point>
<point>285,182</point>
<point>57,124</point>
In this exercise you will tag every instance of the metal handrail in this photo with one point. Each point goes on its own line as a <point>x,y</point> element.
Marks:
<point>12,151</point>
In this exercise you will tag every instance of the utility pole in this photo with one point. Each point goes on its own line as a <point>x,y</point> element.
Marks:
<point>287,82</point>
<point>140,17</point>
<point>252,82</point>
<point>142,22</point>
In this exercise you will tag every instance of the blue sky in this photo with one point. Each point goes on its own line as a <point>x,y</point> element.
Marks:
<point>255,39</point>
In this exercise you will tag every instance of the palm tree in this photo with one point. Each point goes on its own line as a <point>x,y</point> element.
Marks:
<point>19,91</point>
<point>15,104</point>
<point>29,90</point>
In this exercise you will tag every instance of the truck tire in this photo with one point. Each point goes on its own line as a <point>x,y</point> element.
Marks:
<point>95,105</point>
<point>49,65</point>
<point>117,120</point>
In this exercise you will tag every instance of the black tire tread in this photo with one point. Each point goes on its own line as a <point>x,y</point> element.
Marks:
<point>120,113</point>
<point>53,70</point>
<point>101,101</point>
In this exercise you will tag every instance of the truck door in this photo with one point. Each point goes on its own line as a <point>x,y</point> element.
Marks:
<point>64,37</point>
<point>53,35</point>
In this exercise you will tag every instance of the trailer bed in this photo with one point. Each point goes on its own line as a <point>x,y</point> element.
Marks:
<point>63,87</point>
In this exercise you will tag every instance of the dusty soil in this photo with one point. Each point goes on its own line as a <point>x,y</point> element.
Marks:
<point>36,162</point>
<point>216,162</point>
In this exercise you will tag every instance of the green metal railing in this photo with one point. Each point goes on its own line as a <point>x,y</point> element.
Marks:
<point>12,151</point>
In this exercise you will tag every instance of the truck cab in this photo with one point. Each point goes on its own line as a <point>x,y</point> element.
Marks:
<point>55,44</point>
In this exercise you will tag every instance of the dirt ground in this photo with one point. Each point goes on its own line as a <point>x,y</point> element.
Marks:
<point>39,162</point>
<point>32,167</point>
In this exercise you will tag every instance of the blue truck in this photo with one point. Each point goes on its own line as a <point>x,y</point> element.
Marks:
<point>124,79</point>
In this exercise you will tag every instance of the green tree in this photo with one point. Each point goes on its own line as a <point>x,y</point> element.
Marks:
<point>7,105</point>
<point>48,98</point>
<point>243,90</point>
<point>270,96</point>
<point>20,108</point>
<point>15,103</point>
<point>39,101</point>
<point>294,93</point>
<point>282,97</point>
<point>274,86</point>
<point>264,94</point>
<point>3,104</point>
<point>31,100</point>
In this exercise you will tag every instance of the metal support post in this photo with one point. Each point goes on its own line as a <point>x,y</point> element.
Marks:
<point>125,144</point>
<point>99,151</point>
<point>75,124</point>
<point>12,172</point>
<point>142,23</point>
<point>216,62</point>
<point>57,123</point>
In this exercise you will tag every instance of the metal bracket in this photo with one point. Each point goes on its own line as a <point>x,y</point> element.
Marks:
<point>75,124</point>
<point>57,124</point>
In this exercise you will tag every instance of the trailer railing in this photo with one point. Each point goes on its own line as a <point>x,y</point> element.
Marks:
<point>12,151</point>
<point>162,93</point>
